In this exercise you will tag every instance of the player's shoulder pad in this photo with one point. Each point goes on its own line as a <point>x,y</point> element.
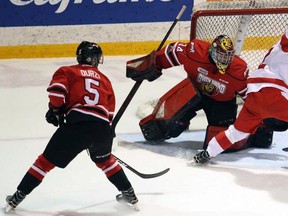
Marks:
<point>197,50</point>
<point>238,69</point>
<point>67,68</point>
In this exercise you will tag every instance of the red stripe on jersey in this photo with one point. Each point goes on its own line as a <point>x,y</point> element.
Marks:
<point>223,141</point>
<point>261,66</point>
<point>57,87</point>
<point>284,43</point>
<point>56,101</point>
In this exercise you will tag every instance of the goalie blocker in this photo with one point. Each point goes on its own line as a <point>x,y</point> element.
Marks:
<point>174,110</point>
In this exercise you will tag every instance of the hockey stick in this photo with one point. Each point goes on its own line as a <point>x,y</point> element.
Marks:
<point>138,83</point>
<point>142,175</point>
<point>285,149</point>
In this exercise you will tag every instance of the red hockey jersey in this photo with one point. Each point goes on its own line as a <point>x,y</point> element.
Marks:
<point>84,89</point>
<point>194,57</point>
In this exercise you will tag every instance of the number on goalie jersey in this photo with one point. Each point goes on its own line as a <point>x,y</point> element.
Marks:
<point>216,77</point>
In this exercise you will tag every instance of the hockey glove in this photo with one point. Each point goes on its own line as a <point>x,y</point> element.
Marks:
<point>143,68</point>
<point>55,116</point>
<point>202,157</point>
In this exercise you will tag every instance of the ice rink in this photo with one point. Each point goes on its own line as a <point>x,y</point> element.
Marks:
<point>248,183</point>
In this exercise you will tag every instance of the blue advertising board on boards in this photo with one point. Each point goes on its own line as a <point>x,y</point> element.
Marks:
<point>76,12</point>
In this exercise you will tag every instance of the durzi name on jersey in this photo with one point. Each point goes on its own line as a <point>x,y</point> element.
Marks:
<point>90,73</point>
<point>205,79</point>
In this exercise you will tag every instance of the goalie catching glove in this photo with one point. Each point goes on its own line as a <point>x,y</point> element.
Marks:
<point>55,115</point>
<point>143,68</point>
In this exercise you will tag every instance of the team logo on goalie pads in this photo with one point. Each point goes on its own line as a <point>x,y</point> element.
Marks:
<point>143,68</point>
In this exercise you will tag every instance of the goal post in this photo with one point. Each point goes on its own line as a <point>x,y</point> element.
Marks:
<point>254,25</point>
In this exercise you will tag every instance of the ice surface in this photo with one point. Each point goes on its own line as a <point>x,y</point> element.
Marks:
<point>251,182</point>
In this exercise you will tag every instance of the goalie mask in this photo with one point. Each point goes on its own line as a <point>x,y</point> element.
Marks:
<point>222,52</point>
<point>89,53</point>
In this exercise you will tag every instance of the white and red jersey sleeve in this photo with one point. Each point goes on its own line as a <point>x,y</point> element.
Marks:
<point>273,71</point>
<point>84,89</point>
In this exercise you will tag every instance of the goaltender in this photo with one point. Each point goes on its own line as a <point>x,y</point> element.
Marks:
<point>215,77</point>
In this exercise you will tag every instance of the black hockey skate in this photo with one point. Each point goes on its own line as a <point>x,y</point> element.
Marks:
<point>200,158</point>
<point>128,197</point>
<point>14,200</point>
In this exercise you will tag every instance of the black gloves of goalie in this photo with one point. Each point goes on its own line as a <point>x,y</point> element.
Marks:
<point>150,74</point>
<point>55,116</point>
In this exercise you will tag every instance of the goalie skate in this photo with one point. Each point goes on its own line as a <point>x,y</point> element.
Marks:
<point>128,197</point>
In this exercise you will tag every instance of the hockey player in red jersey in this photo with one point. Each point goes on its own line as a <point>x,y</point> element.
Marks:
<point>266,102</point>
<point>81,103</point>
<point>215,77</point>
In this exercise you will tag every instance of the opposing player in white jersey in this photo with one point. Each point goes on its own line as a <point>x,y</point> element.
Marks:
<point>266,102</point>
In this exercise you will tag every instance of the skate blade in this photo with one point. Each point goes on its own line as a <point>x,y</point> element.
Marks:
<point>191,163</point>
<point>133,206</point>
<point>8,209</point>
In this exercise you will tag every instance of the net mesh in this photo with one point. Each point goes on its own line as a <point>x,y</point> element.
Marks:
<point>263,30</point>
<point>244,4</point>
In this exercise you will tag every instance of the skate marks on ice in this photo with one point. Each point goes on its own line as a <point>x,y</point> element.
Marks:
<point>190,143</point>
<point>106,208</point>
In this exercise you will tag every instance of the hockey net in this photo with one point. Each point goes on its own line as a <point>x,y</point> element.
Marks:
<point>253,25</point>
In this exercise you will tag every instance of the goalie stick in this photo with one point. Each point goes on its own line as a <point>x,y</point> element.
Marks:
<point>142,175</point>
<point>138,83</point>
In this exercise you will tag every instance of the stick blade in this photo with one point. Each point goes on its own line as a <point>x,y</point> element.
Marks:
<point>153,175</point>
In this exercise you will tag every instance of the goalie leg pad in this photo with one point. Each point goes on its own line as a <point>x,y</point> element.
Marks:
<point>150,129</point>
<point>177,127</point>
<point>172,114</point>
<point>160,130</point>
